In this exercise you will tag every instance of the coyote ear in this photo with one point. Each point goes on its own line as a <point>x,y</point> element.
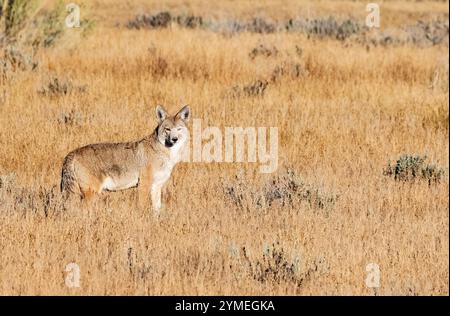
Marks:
<point>184,114</point>
<point>161,113</point>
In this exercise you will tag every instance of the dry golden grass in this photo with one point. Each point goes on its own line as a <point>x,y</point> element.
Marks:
<point>351,111</point>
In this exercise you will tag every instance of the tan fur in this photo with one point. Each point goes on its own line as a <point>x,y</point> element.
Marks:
<point>146,163</point>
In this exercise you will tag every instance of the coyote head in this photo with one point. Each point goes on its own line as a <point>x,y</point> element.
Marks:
<point>172,130</point>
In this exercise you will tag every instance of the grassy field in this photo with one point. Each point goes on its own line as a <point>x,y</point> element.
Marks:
<point>344,108</point>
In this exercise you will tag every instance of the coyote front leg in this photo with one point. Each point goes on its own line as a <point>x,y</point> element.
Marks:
<point>156,198</point>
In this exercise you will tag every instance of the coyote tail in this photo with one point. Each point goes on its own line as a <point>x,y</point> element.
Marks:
<point>68,181</point>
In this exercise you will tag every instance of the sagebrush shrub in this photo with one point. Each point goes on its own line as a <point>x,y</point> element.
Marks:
<point>274,266</point>
<point>413,167</point>
<point>57,87</point>
<point>263,50</point>
<point>286,188</point>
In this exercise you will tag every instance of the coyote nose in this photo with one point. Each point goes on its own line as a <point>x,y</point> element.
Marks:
<point>174,139</point>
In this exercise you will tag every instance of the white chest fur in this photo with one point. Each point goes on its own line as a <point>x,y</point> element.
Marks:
<point>162,175</point>
<point>176,152</point>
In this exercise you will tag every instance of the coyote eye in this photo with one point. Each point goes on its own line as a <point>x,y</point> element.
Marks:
<point>179,129</point>
<point>167,130</point>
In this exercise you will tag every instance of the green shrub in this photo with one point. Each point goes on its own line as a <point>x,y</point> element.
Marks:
<point>413,167</point>
<point>286,188</point>
<point>14,14</point>
<point>51,26</point>
<point>24,22</point>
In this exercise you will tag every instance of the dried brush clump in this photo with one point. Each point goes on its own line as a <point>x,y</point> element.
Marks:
<point>13,59</point>
<point>138,266</point>
<point>164,19</point>
<point>48,27</point>
<point>13,16</point>
<point>253,89</point>
<point>413,167</point>
<point>284,70</point>
<point>286,189</point>
<point>59,87</point>
<point>24,21</point>
<point>276,266</point>
<point>325,27</point>
<point>321,27</point>
<point>71,118</point>
<point>159,20</point>
<point>189,21</point>
<point>25,29</point>
<point>429,33</point>
<point>256,88</point>
<point>18,199</point>
<point>288,69</point>
<point>263,50</point>
<point>421,34</point>
<point>259,25</point>
<point>273,266</point>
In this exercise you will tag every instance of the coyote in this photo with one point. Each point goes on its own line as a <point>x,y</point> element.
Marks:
<point>146,163</point>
